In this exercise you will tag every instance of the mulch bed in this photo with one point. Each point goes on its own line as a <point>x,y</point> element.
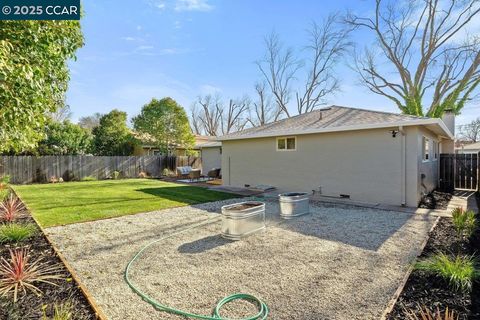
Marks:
<point>436,200</point>
<point>423,289</point>
<point>31,306</point>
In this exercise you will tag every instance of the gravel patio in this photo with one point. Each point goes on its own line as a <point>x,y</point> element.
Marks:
<point>339,262</point>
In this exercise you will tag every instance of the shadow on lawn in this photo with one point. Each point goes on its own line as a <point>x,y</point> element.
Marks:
<point>187,194</point>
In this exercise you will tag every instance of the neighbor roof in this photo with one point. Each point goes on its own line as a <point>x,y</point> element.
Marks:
<point>336,118</point>
<point>471,146</point>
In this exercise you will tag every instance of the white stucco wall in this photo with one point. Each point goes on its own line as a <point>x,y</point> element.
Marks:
<point>211,158</point>
<point>365,164</point>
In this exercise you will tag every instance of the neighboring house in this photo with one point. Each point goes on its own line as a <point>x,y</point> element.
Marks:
<point>148,145</point>
<point>211,154</point>
<point>369,156</point>
<point>468,148</point>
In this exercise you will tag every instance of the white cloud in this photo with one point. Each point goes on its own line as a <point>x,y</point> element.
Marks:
<point>177,25</point>
<point>209,89</point>
<point>128,38</point>
<point>193,5</point>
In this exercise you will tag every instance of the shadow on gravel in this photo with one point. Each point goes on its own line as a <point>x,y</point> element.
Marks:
<point>204,244</point>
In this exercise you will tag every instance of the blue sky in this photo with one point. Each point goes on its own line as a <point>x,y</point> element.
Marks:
<point>137,50</point>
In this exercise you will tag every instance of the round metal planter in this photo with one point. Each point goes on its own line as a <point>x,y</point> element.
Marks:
<point>294,204</point>
<point>242,219</point>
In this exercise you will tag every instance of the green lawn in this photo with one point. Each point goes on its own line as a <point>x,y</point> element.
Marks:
<point>70,202</point>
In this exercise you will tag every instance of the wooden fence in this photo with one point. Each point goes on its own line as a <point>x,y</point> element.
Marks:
<point>459,171</point>
<point>30,169</point>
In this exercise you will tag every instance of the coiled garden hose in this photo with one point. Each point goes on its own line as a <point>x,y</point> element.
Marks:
<point>263,308</point>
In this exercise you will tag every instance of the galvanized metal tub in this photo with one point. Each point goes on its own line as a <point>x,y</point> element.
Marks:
<point>242,219</point>
<point>294,204</point>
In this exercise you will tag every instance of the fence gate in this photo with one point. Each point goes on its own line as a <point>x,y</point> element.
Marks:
<point>459,171</point>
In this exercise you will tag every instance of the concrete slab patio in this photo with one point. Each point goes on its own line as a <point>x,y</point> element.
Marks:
<point>339,262</point>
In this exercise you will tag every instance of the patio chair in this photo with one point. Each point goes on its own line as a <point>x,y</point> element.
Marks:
<point>194,174</point>
<point>184,172</point>
<point>214,174</point>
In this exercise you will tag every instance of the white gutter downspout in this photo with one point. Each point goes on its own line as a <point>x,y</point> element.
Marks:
<point>403,155</point>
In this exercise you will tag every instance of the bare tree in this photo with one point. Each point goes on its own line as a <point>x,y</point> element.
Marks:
<point>429,67</point>
<point>211,116</point>
<point>471,131</point>
<point>196,124</point>
<point>90,122</point>
<point>326,45</point>
<point>263,110</point>
<point>279,67</point>
<point>61,114</point>
<point>235,117</point>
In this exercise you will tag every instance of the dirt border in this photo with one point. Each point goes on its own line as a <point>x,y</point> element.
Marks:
<point>98,311</point>
<point>398,292</point>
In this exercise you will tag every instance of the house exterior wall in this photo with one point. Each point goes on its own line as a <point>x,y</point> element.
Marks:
<point>365,164</point>
<point>211,158</point>
<point>429,169</point>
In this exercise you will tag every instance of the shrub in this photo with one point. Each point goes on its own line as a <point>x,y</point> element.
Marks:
<point>89,178</point>
<point>63,311</point>
<point>425,313</point>
<point>143,175</point>
<point>11,208</point>
<point>167,173</point>
<point>19,274</point>
<point>14,232</point>
<point>4,188</point>
<point>116,175</point>
<point>458,271</point>
<point>465,222</point>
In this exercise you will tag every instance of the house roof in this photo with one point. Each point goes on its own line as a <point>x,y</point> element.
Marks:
<point>338,118</point>
<point>470,146</point>
<point>208,144</point>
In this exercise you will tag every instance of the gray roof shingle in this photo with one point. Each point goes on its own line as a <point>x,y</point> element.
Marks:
<point>329,117</point>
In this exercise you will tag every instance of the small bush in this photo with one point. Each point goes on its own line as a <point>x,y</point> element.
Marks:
<point>459,271</point>
<point>89,178</point>
<point>143,175</point>
<point>18,275</point>
<point>167,173</point>
<point>425,313</point>
<point>465,222</point>
<point>116,175</point>
<point>63,311</point>
<point>11,208</point>
<point>14,232</point>
<point>4,187</point>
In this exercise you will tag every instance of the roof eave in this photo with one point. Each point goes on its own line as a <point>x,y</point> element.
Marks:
<point>435,121</point>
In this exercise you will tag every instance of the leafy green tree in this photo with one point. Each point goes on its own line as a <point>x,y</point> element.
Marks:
<point>65,138</point>
<point>33,77</point>
<point>112,137</point>
<point>167,122</point>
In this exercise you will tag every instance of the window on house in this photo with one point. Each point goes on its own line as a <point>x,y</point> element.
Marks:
<point>287,144</point>
<point>426,149</point>
<point>435,150</point>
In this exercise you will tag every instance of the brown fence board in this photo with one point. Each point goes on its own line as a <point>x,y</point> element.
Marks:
<point>459,171</point>
<point>32,169</point>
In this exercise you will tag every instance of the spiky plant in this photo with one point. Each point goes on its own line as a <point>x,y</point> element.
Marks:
<point>20,275</point>
<point>465,222</point>
<point>424,313</point>
<point>15,232</point>
<point>458,271</point>
<point>11,208</point>
<point>62,311</point>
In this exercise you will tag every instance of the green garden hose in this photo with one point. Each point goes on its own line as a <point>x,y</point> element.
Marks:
<point>263,308</point>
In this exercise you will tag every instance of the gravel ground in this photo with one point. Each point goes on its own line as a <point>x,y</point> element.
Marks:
<point>338,262</point>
